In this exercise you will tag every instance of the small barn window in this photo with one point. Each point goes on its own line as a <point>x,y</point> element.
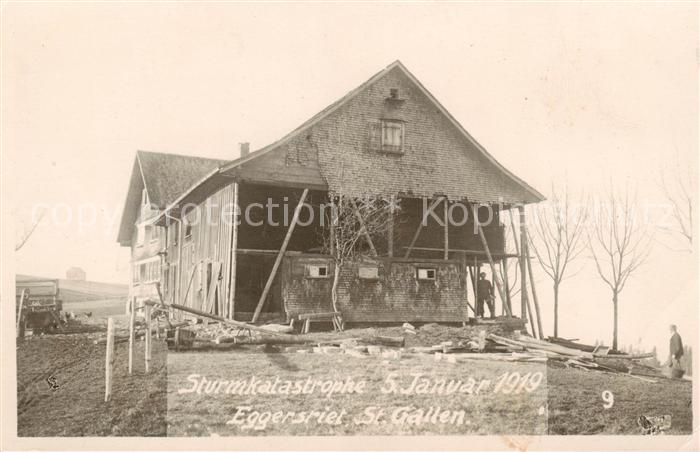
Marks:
<point>188,231</point>
<point>368,272</point>
<point>392,135</point>
<point>427,274</point>
<point>317,271</point>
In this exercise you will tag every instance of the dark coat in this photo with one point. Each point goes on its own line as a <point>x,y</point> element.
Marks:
<point>676,346</point>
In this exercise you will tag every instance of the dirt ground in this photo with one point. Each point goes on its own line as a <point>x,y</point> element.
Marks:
<point>77,407</point>
<point>564,401</point>
<point>576,405</point>
<point>406,411</point>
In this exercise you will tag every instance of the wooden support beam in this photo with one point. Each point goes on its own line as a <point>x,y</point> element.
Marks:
<point>109,359</point>
<point>496,278</point>
<point>278,260</point>
<point>132,339</point>
<point>464,251</point>
<point>532,320</point>
<point>474,274</point>
<point>233,255</point>
<point>224,320</point>
<point>532,284</point>
<point>446,232</point>
<point>523,265</point>
<point>363,227</point>
<point>213,287</point>
<point>504,272</point>
<point>420,227</point>
<point>189,284</point>
<point>147,339</point>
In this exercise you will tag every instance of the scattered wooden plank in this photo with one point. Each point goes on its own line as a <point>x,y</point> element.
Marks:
<point>220,319</point>
<point>319,315</point>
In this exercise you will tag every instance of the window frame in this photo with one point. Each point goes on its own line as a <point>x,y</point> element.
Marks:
<point>309,274</point>
<point>428,271</point>
<point>393,124</point>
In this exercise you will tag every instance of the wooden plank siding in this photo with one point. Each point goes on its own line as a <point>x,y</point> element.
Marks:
<point>210,242</point>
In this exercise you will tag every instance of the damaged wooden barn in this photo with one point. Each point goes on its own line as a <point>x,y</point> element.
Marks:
<point>248,239</point>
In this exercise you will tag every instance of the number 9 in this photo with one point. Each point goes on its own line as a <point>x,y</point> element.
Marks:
<point>609,399</point>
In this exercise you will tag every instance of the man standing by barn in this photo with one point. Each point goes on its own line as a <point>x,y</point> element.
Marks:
<point>676,351</point>
<point>484,293</point>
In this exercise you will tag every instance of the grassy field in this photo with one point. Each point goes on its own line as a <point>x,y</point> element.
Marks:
<point>98,308</point>
<point>486,410</point>
<point>175,400</point>
<point>77,407</point>
<point>576,405</point>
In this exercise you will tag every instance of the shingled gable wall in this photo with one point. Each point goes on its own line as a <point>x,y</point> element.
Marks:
<point>437,159</point>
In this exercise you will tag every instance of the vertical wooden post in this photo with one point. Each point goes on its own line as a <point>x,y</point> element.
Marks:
<point>280,255</point>
<point>504,271</point>
<point>109,359</point>
<point>446,234</point>
<point>523,265</point>
<point>147,340</point>
<point>233,258</point>
<point>132,320</point>
<point>475,280</point>
<point>496,278</point>
<point>532,284</point>
<point>390,232</point>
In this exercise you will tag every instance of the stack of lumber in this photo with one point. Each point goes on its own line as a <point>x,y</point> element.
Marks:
<point>578,356</point>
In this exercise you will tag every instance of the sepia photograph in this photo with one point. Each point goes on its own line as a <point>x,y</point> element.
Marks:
<point>392,225</point>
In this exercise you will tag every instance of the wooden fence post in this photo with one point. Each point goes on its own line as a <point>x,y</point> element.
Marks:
<point>132,319</point>
<point>147,340</point>
<point>109,359</point>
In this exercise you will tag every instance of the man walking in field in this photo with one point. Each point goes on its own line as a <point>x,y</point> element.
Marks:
<point>484,293</point>
<point>676,352</point>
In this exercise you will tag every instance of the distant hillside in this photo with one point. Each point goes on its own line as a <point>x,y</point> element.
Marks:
<point>73,291</point>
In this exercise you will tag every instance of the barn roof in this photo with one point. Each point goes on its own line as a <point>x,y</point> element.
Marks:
<point>474,175</point>
<point>165,177</point>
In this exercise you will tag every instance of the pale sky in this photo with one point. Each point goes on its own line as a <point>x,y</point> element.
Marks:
<point>575,92</point>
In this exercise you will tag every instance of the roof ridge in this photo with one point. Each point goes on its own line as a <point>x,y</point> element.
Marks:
<point>173,154</point>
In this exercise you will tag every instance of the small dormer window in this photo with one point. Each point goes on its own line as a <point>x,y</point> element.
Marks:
<point>392,135</point>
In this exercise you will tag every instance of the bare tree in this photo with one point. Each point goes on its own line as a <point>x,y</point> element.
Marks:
<point>679,188</point>
<point>558,231</point>
<point>29,231</point>
<point>355,225</point>
<point>619,244</point>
